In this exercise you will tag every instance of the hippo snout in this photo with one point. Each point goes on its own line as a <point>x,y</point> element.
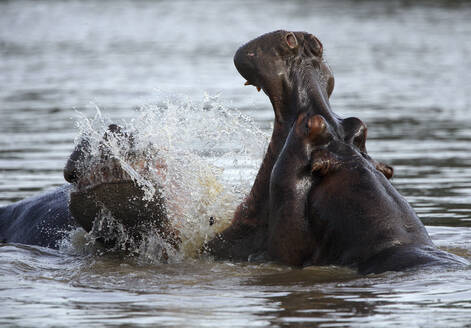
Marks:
<point>75,162</point>
<point>70,174</point>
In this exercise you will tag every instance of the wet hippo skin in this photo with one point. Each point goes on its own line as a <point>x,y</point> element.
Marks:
<point>42,220</point>
<point>330,206</point>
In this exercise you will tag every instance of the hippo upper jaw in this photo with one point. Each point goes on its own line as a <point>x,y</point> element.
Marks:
<point>103,172</point>
<point>103,181</point>
<point>276,61</point>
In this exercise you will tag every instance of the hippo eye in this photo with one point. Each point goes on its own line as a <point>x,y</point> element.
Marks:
<point>291,40</point>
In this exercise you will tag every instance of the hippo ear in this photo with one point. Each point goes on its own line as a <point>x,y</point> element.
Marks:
<point>291,40</point>
<point>387,170</point>
<point>355,132</point>
<point>315,45</point>
<point>323,164</point>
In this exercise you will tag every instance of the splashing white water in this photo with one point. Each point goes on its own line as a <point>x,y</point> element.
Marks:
<point>201,156</point>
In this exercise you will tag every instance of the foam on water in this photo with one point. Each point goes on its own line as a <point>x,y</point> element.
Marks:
<point>179,151</point>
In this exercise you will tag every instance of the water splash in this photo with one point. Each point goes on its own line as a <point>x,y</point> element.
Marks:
<point>192,154</point>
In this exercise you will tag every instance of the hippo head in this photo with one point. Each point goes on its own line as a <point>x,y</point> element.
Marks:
<point>330,205</point>
<point>284,64</point>
<point>290,68</point>
<point>328,152</point>
<point>100,182</point>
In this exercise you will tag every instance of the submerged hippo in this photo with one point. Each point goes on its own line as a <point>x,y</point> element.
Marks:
<point>330,206</point>
<point>100,183</point>
<point>97,182</point>
<point>289,67</point>
<point>42,220</point>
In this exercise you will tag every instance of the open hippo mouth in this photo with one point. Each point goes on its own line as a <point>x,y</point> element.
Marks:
<point>290,68</point>
<point>102,183</point>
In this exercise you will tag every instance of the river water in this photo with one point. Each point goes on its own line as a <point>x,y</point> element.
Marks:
<point>402,67</point>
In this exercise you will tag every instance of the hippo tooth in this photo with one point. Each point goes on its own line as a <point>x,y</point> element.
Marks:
<point>258,89</point>
<point>247,83</point>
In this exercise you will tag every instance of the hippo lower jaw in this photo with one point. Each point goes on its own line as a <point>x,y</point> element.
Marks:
<point>125,201</point>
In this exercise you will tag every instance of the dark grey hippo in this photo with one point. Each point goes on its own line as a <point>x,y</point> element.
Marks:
<point>289,67</point>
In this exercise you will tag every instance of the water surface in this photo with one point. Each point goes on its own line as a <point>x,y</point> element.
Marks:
<point>402,68</point>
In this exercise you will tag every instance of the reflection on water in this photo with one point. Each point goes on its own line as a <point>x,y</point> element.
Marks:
<point>399,66</point>
<point>58,288</point>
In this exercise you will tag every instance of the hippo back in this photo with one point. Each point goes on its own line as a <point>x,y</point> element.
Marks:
<point>42,220</point>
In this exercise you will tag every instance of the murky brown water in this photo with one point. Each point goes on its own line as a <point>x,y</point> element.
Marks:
<point>402,68</point>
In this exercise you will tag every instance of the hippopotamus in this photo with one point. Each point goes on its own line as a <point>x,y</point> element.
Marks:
<point>100,182</point>
<point>42,220</point>
<point>330,206</point>
<point>290,68</point>
<point>96,181</point>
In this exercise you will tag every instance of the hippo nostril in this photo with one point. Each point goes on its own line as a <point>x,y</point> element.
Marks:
<point>318,48</point>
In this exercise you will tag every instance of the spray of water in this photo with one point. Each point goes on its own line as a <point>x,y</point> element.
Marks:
<point>200,156</point>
